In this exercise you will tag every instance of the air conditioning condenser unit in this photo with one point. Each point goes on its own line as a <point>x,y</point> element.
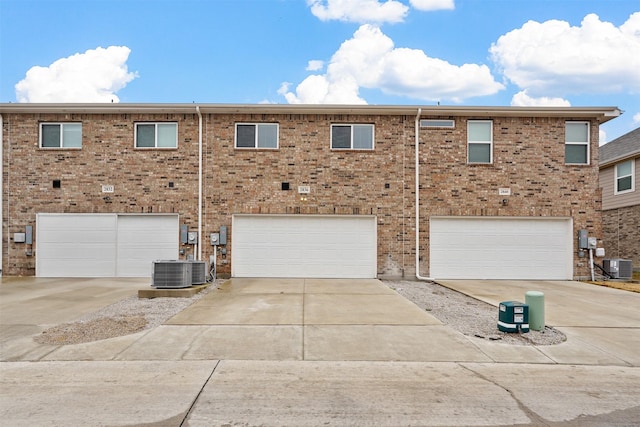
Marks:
<point>199,272</point>
<point>171,274</point>
<point>618,268</point>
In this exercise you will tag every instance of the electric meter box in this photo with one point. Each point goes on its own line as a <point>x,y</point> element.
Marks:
<point>513,316</point>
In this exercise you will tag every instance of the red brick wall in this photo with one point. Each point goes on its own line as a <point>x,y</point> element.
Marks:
<point>341,182</point>
<point>108,157</point>
<point>622,234</point>
<point>528,159</point>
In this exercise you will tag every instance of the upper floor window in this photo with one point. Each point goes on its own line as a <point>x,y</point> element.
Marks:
<point>624,177</point>
<point>434,123</point>
<point>479,141</point>
<point>352,137</point>
<point>576,145</point>
<point>156,135</point>
<point>257,135</point>
<point>60,135</point>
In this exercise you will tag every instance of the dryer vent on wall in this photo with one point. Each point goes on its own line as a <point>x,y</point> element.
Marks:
<point>172,274</point>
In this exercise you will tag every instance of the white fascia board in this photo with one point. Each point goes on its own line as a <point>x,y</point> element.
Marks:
<point>603,114</point>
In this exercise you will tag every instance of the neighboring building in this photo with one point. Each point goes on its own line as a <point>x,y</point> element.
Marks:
<point>619,168</point>
<point>303,190</point>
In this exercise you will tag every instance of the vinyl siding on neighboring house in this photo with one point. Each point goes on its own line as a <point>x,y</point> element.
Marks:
<point>610,200</point>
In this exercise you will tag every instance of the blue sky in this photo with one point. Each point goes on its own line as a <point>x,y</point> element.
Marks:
<point>409,52</point>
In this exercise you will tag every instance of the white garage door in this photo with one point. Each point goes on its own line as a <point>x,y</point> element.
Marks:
<point>103,245</point>
<point>501,248</point>
<point>69,245</point>
<point>142,239</point>
<point>304,246</point>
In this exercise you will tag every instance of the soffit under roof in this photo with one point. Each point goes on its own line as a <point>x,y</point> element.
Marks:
<point>603,114</point>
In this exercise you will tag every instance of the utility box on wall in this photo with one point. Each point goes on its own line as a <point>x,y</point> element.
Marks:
<point>513,316</point>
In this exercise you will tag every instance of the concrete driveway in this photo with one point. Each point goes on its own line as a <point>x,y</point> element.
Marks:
<point>309,352</point>
<point>244,319</point>
<point>318,319</point>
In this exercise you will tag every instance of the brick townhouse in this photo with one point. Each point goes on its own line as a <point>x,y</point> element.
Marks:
<point>96,190</point>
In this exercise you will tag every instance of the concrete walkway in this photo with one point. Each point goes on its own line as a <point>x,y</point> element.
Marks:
<point>302,352</point>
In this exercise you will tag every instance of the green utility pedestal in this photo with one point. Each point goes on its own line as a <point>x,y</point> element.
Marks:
<point>513,317</point>
<point>535,301</point>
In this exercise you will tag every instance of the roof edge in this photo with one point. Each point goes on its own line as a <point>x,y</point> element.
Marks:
<point>623,158</point>
<point>604,114</point>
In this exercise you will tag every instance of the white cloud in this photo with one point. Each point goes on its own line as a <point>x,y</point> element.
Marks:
<point>636,118</point>
<point>318,89</point>
<point>315,65</point>
<point>428,5</point>
<point>284,88</point>
<point>602,137</point>
<point>411,73</point>
<point>359,11</point>
<point>370,60</point>
<point>555,58</point>
<point>522,99</point>
<point>93,76</point>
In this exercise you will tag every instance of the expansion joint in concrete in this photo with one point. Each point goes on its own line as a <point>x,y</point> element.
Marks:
<point>195,400</point>
<point>535,418</point>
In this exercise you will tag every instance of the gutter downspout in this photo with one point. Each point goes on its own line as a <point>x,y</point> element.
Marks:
<point>199,250</point>
<point>417,131</point>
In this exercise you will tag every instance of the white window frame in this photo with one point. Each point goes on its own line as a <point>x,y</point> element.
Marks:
<point>618,177</point>
<point>586,143</point>
<point>155,145</point>
<point>437,123</point>
<point>354,126</point>
<point>61,143</point>
<point>256,142</point>
<point>473,142</point>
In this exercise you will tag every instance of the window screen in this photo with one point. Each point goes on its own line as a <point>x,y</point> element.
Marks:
<point>362,137</point>
<point>624,176</point>
<point>61,135</point>
<point>576,149</point>
<point>156,135</point>
<point>257,135</point>
<point>575,154</point>
<point>479,153</point>
<point>146,137</point>
<point>267,136</point>
<point>480,141</point>
<point>356,137</point>
<point>50,136</point>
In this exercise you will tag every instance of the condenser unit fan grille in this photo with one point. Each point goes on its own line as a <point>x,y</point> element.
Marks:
<point>172,274</point>
<point>199,273</point>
